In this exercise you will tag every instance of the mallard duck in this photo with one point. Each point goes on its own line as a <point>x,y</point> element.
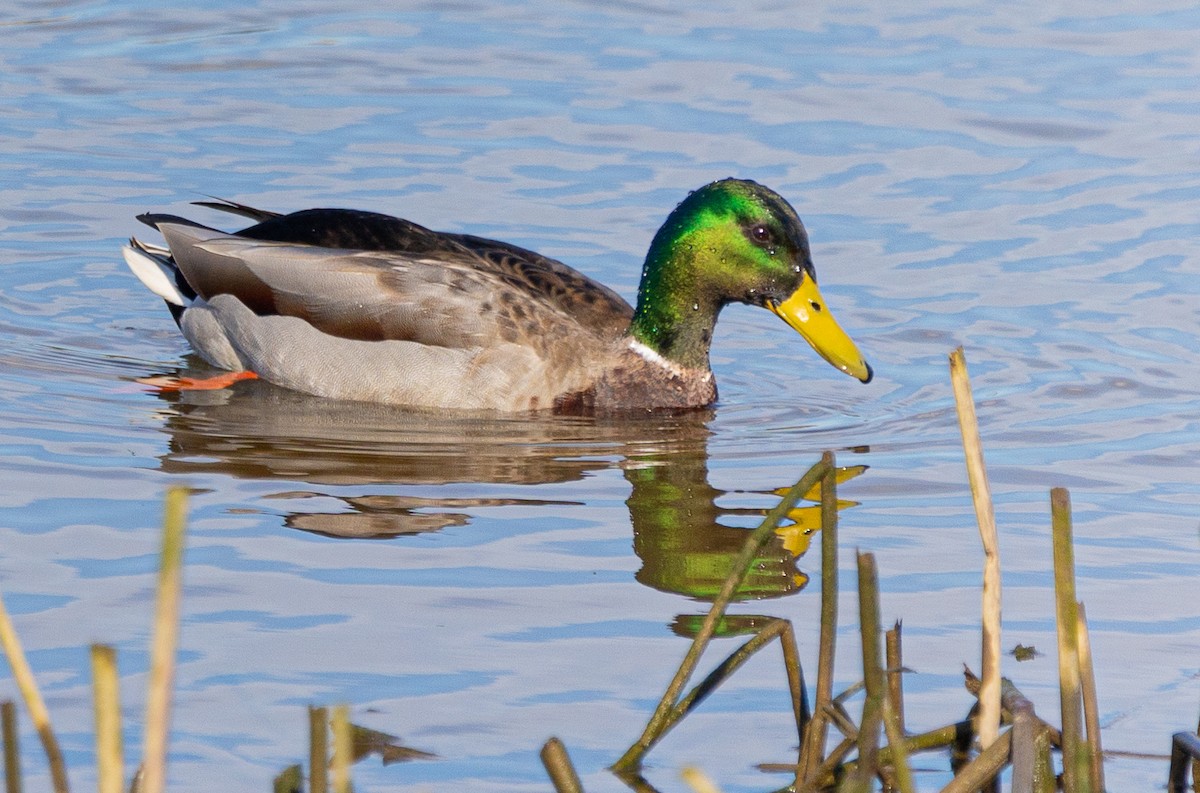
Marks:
<point>363,306</point>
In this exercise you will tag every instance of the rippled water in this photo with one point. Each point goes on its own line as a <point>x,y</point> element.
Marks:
<point>1017,178</point>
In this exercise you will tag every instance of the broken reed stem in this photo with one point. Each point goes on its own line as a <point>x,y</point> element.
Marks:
<point>894,658</point>
<point>343,749</point>
<point>1031,739</point>
<point>981,494</point>
<point>12,746</point>
<point>1032,771</point>
<point>318,749</point>
<point>893,710</point>
<point>558,766</point>
<point>812,749</point>
<point>1068,647</point>
<point>1091,708</point>
<point>166,636</point>
<point>660,720</point>
<point>26,684</point>
<point>1012,700</point>
<point>868,733</point>
<point>106,702</point>
<point>1024,750</point>
<point>899,754</point>
<point>1045,780</point>
<point>878,706</point>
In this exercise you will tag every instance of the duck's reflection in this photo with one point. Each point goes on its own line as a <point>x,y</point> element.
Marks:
<point>381,517</point>
<point>258,431</point>
<point>679,535</point>
<point>680,532</point>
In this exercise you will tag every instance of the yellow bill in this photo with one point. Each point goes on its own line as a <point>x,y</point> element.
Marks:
<point>808,315</point>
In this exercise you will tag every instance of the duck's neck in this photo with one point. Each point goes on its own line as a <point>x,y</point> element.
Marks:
<point>674,316</point>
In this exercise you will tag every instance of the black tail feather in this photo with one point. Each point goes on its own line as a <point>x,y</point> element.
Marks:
<point>152,219</point>
<point>234,208</point>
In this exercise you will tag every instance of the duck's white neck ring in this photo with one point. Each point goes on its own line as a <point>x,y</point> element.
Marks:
<point>653,357</point>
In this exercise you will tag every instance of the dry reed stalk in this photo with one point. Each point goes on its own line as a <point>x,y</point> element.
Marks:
<point>894,655</point>
<point>981,494</point>
<point>898,742</point>
<point>12,746</point>
<point>558,765</point>
<point>1013,701</point>
<point>1032,767</point>
<point>34,703</point>
<point>812,748</point>
<point>1044,778</point>
<point>166,637</point>
<point>106,702</point>
<point>343,749</point>
<point>867,765</point>
<point>1068,646</point>
<point>665,713</point>
<point>878,707</point>
<point>318,750</point>
<point>1024,751</point>
<point>893,715</point>
<point>1091,708</point>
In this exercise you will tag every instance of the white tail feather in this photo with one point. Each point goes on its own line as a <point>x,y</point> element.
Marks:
<point>157,274</point>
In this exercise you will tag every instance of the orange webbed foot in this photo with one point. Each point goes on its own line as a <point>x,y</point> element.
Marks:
<point>214,383</point>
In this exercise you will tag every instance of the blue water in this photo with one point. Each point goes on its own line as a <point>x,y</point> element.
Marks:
<point>1018,179</point>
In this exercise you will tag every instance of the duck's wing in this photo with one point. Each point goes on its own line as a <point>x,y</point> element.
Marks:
<point>437,299</point>
<point>541,278</point>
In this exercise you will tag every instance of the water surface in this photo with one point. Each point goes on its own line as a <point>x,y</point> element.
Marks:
<point>1018,179</point>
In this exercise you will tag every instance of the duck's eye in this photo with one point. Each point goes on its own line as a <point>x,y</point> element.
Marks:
<point>760,234</point>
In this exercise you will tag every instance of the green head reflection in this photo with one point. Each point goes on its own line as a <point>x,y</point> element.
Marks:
<point>685,548</point>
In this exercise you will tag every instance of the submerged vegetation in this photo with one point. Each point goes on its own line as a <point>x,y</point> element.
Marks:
<point>1003,732</point>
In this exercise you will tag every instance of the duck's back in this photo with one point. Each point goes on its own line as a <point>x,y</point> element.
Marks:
<point>593,304</point>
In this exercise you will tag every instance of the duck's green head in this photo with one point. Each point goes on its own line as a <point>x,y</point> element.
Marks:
<point>734,240</point>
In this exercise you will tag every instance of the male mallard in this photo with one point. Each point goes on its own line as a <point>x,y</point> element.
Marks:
<point>363,306</point>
